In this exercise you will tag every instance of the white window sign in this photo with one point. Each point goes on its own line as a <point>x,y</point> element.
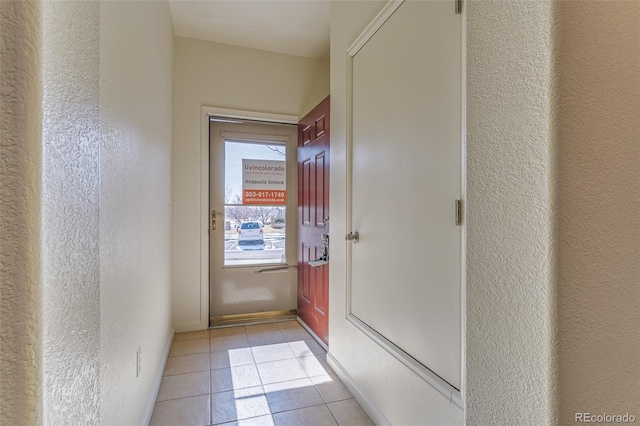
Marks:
<point>264,182</point>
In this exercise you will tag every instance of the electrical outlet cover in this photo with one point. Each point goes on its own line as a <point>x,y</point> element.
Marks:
<point>138,361</point>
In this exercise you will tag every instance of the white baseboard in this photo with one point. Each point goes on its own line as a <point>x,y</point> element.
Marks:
<point>372,411</point>
<point>153,396</point>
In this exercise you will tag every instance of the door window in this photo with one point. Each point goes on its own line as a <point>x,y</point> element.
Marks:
<point>255,203</point>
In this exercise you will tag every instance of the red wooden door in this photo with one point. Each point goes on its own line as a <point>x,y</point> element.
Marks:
<point>313,217</point>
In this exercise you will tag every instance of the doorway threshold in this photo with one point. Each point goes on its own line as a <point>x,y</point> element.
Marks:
<point>252,319</point>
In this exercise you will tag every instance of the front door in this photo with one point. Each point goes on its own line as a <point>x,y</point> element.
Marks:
<point>313,219</point>
<point>253,219</point>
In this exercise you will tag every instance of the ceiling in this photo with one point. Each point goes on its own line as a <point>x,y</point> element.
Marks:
<point>294,27</point>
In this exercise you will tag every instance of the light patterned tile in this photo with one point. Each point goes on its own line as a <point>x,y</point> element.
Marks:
<point>265,338</point>
<point>306,348</point>
<point>187,364</point>
<point>295,334</point>
<point>184,385</point>
<point>238,404</point>
<point>318,415</point>
<point>349,413</point>
<point>281,371</point>
<point>225,379</point>
<point>331,388</point>
<point>224,343</point>
<point>231,358</point>
<point>189,347</point>
<point>288,325</point>
<point>254,421</point>
<point>227,331</point>
<point>261,328</point>
<point>194,411</point>
<point>285,396</point>
<point>315,365</point>
<point>191,335</point>
<point>274,352</point>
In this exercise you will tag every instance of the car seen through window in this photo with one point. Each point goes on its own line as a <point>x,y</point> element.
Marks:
<point>250,233</point>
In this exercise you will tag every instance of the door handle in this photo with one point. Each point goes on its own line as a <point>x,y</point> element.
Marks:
<point>214,216</point>
<point>352,237</point>
<point>317,263</point>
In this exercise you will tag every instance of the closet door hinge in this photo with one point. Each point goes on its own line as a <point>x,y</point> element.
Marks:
<point>458,214</point>
<point>458,6</point>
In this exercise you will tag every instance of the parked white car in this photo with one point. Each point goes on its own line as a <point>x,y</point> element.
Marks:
<point>250,233</point>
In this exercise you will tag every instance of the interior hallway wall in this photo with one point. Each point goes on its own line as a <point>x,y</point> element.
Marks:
<point>136,125</point>
<point>510,213</point>
<point>107,133</point>
<point>599,208</point>
<point>219,75</point>
<point>70,213</point>
<point>318,89</point>
<point>20,171</point>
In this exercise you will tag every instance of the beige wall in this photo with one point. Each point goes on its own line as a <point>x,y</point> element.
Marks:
<point>318,89</point>
<point>20,154</point>
<point>70,212</point>
<point>553,210</point>
<point>96,181</point>
<point>510,184</point>
<point>218,75</point>
<point>136,123</point>
<point>598,107</point>
<point>396,394</point>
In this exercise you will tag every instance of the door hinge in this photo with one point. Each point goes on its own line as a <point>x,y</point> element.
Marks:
<point>458,213</point>
<point>458,6</point>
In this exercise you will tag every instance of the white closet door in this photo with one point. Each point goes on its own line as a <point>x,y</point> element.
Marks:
<point>406,168</point>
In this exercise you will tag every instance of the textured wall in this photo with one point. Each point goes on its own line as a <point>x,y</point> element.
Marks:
<point>212,74</point>
<point>510,277</point>
<point>136,119</point>
<point>598,49</point>
<point>398,394</point>
<point>107,99</point>
<point>70,197</point>
<point>20,170</point>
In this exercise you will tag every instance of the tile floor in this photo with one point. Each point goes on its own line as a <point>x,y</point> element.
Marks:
<point>257,375</point>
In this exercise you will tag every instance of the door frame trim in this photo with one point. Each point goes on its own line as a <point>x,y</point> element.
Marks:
<point>206,112</point>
